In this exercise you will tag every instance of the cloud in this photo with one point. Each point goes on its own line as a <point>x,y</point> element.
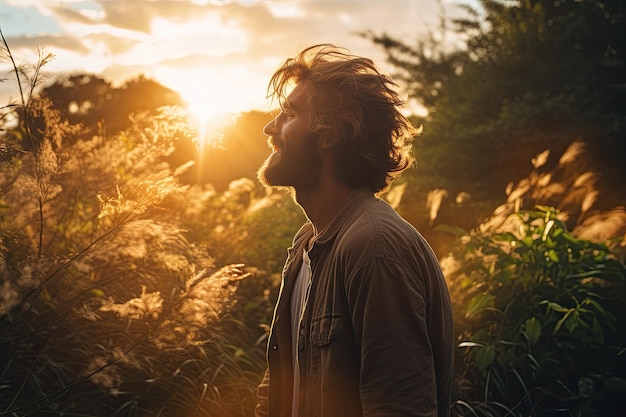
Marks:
<point>69,15</point>
<point>47,41</point>
<point>241,40</point>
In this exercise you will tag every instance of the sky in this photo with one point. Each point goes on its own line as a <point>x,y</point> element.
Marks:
<point>218,54</point>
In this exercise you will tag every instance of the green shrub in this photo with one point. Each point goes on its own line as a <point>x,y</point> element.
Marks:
<point>539,309</point>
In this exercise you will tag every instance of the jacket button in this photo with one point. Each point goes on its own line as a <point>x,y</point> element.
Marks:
<point>274,347</point>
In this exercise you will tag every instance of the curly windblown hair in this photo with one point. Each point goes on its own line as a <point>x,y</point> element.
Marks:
<point>356,107</point>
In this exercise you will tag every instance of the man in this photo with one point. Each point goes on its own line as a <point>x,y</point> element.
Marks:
<point>363,324</point>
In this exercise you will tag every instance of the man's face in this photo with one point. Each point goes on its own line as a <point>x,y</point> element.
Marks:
<point>295,161</point>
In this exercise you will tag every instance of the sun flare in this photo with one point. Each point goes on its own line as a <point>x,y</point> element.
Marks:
<point>210,103</point>
<point>208,119</point>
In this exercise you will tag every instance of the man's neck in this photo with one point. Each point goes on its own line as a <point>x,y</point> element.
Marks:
<point>321,205</point>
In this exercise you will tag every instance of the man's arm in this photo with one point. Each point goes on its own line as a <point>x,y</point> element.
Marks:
<point>389,321</point>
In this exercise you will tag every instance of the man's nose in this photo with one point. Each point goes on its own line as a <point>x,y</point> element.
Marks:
<point>271,128</point>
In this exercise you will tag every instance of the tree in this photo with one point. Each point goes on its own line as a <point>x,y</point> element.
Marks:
<point>531,74</point>
<point>92,101</point>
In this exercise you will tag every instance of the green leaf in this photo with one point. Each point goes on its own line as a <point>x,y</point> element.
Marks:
<point>572,322</point>
<point>598,333</point>
<point>533,330</point>
<point>555,306</point>
<point>553,256</point>
<point>596,305</point>
<point>484,357</point>
<point>478,304</point>
<point>563,319</point>
<point>587,274</point>
<point>97,292</point>
<point>571,238</point>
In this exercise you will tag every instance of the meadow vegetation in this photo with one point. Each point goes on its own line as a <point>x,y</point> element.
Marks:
<point>134,284</point>
<point>117,296</point>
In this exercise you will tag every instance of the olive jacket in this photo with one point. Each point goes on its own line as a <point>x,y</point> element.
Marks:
<point>376,337</point>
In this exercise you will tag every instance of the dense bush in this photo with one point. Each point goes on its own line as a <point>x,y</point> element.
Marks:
<point>539,309</point>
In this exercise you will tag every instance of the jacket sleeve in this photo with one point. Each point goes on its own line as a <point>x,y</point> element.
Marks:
<point>262,396</point>
<point>387,304</point>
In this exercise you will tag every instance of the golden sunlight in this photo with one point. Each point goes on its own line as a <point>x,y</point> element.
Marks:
<point>210,103</point>
<point>209,118</point>
<point>210,89</point>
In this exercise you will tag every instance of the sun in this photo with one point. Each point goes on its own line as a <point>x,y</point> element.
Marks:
<point>207,115</point>
<point>209,120</point>
<point>207,97</point>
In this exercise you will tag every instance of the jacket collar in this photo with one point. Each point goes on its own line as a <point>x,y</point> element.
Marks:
<point>302,237</point>
<point>347,209</point>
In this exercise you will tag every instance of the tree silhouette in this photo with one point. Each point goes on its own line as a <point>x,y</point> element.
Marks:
<point>93,101</point>
<point>531,74</point>
<point>239,154</point>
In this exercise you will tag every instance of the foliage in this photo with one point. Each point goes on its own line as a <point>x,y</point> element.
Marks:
<point>538,308</point>
<point>91,100</point>
<point>111,305</point>
<point>100,108</point>
<point>108,307</point>
<point>503,83</point>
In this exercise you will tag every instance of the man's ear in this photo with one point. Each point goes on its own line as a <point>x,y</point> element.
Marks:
<point>328,141</point>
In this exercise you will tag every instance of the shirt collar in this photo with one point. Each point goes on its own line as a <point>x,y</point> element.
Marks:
<point>348,207</point>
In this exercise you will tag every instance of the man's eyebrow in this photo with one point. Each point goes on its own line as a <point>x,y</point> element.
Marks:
<point>289,105</point>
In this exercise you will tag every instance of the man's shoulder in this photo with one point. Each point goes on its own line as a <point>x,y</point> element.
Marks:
<point>376,216</point>
<point>376,223</point>
<point>303,235</point>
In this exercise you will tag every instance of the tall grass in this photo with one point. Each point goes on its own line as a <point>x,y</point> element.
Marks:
<point>107,308</point>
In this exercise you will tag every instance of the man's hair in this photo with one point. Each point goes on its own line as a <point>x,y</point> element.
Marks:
<point>357,108</point>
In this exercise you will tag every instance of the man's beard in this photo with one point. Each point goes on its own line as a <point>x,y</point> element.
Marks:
<point>297,165</point>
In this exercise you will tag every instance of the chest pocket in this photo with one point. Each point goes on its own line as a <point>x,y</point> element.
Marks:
<point>325,328</point>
